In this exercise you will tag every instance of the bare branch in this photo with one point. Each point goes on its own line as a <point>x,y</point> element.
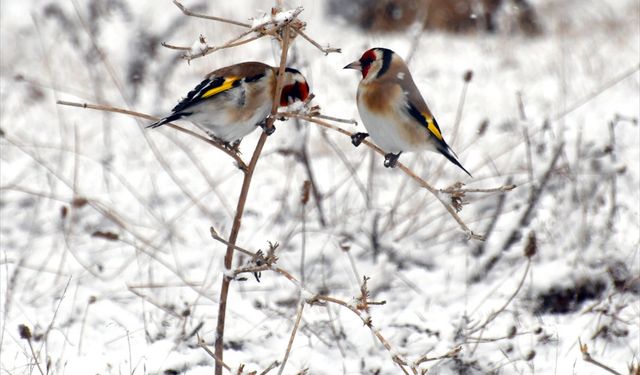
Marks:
<point>244,191</point>
<point>271,27</point>
<point>402,167</point>
<point>179,48</point>
<point>584,349</point>
<point>293,335</point>
<point>204,346</point>
<point>108,108</point>
<point>189,13</point>
<point>326,50</point>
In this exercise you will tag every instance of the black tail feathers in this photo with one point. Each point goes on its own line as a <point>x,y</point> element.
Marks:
<point>168,119</point>
<point>449,154</point>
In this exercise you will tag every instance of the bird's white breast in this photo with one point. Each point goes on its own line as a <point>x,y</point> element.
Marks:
<point>219,115</point>
<point>385,128</point>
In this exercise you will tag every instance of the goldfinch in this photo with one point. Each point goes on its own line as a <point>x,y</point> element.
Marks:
<point>392,109</point>
<point>232,101</point>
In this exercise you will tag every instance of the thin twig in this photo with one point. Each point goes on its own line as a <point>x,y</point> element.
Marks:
<point>189,13</point>
<point>204,346</point>
<point>235,230</point>
<point>456,123</point>
<point>109,108</point>
<point>597,92</point>
<point>495,314</point>
<point>326,50</point>
<point>336,119</point>
<point>450,354</point>
<point>273,365</point>
<point>25,333</point>
<point>402,167</point>
<point>262,30</point>
<point>516,234</point>
<point>171,46</point>
<point>216,236</point>
<point>292,337</point>
<point>587,358</point>
<point>499,189</point>
<point>317,298</point>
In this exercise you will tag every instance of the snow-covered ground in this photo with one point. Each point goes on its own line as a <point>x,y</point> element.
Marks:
<point>71,177</point>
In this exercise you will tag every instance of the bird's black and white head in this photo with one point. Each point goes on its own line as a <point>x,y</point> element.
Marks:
<point>294,87</point>
<point>374,63</point>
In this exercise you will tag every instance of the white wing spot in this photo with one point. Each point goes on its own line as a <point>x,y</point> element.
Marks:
<point>400,75</point>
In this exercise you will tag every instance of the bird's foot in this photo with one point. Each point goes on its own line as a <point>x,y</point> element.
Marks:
<point>217,139</point>
<point>234,146</point>
<point>357,138</point>
<point>231,146</point>
<point>391,160</point>
<point>263,125</point>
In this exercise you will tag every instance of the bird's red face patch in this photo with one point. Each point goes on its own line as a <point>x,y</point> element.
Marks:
<point>296,91</point>
<point>366,60</point>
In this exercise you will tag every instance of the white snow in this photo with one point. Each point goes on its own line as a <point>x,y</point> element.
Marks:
<point>159,191</point>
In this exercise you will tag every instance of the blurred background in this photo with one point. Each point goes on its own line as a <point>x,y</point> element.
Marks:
<point>105,247</point>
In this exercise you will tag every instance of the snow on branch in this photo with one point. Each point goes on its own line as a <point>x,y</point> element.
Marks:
<point>269,24</point>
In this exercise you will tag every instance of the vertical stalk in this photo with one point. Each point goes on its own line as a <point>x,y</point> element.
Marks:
<point>242,199</point>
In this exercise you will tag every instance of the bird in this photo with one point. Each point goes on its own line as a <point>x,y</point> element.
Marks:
<point>393,110</point>
<point>233,101</point>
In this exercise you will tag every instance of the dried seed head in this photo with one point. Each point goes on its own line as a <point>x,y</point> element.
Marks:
<point>531,355</point>
<point>79,202</point>
<point>483,127</point>
<point>306,189</point>
<point>532,246</point>
<point>511,333</point>
<point>24,331</point>
<point>468,75</point>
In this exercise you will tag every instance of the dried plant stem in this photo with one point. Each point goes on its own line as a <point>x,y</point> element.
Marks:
<point>326,50</point>
<point>204,346</point>
<point>292,337</point>
<point>456,122</point>
<point>516,234</point>
<point>242,199</point>
<point>500,189</point>
<point>402,167</point>
<point>597,92</point>
<point>480,248</point>
<point>586,356</point>
<point>25,333</point>
<point>261,29</point>
<point>273,365</point>
<point>367,322</point>
<point>109,108</point>
<point>613,178</point>
<point>189,13</point>
<point>171,46</point>
<point>323,299</point>
<point>495,314</point>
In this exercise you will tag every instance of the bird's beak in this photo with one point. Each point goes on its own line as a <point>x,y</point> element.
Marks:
<point>354,65</point>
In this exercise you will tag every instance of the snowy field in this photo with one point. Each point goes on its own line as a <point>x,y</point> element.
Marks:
<point>106,254</point>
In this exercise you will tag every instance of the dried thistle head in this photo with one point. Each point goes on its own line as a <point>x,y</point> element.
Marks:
<point>457,195</point>
<point>531,247</point>
<point>306,189</point>
<point>24,331</point>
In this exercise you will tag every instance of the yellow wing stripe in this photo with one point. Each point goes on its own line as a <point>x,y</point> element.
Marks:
<point>226,85</point>
<point>431,125</point>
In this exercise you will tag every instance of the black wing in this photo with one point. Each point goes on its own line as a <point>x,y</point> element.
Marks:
<point>206,89</point>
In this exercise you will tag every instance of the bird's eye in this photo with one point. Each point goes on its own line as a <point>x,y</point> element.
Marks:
<point>366,62</point>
